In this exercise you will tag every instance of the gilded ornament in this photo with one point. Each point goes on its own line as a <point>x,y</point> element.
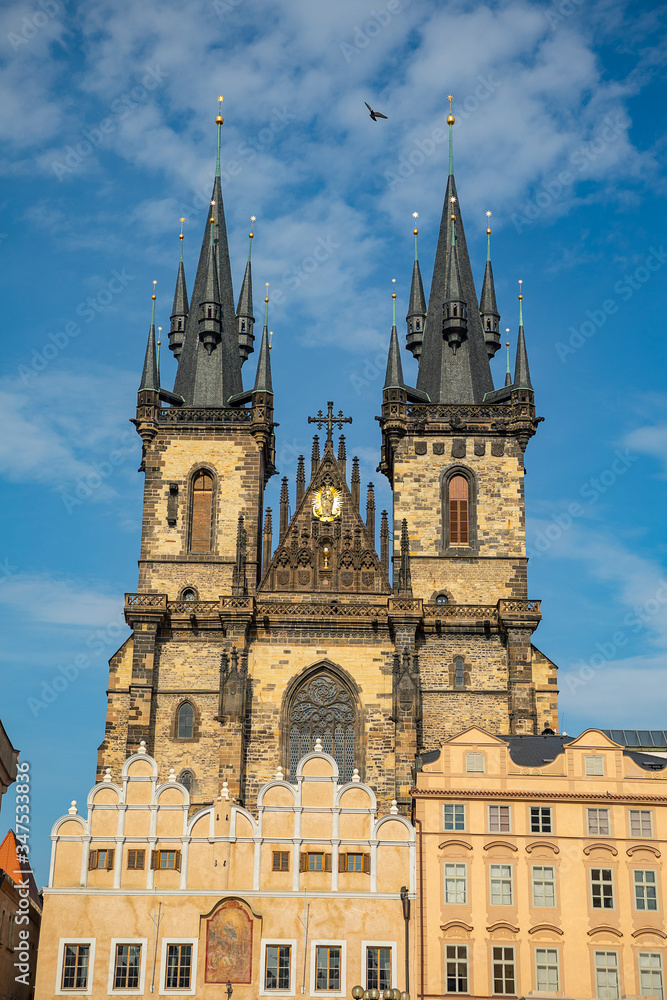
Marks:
<point>327,503</point>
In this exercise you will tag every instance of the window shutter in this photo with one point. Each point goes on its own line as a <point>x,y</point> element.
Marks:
<point>342,858</point>
<point>110,855</point>
<point>140,859</point>
<point>177,861</point>
<point>155,859</point>
<point>367,864</point>
<point>303,861</point>
<point>92,860</point>
<point>327,862</point>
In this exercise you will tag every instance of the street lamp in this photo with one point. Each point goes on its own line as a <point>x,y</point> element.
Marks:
<point>359,993</point>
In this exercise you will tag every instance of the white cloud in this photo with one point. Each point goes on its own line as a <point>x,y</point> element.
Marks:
<point>650,441</point>
<point>46,599</point>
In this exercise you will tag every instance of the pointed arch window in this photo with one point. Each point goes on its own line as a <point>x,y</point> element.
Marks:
<point>323,708</point>
<point>186,779</point>
<point>202,508</point>
<point>459,499</point>
<point>186,721</point>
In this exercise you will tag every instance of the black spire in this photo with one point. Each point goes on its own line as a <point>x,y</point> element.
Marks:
<point>210,378</point>
<point>209,319</point>
<point>150,378</point>
<point>416,317</point>
<point>488,309</point>
<point>245,321</point>
<point>455,311</point>
<point>180,309</point>
<point>394,377</point>
<point>521,369</point>
<point>463,377</point>
<point>263,377</point>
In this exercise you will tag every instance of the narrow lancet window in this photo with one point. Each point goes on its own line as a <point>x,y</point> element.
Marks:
<point>202,503</point>
<point>458,510</point>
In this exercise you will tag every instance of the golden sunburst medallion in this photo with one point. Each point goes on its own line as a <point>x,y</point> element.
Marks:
<point>327,503</point>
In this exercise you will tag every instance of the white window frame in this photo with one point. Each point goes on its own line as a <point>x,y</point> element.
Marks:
<point>558,984</point>
<point>503,879</point>
<point>328,943</point>
<point>552,868</point>
<point>645,885</point>
<point>504,947</point>
<point>598,810</point>
<point>591,765</point>
<point>458,944</point>
<point>280,942</point>
<point>640,835</point>
<point>639,969</point>
<point>456,878</point>
<point>112,967</point>
<point>602,883</point>
<point>475,757</point>
<point>547,833</point>
<point>606,968</point>
<point>364,960</point>
<point>499,805</point>
<point>163,967</point>
<point>59,991</point>
<point>455,806</point>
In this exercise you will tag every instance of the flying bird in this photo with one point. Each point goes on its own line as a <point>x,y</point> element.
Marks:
<point>374,114</point>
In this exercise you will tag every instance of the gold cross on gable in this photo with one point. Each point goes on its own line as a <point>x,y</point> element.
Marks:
<point>329,420</point>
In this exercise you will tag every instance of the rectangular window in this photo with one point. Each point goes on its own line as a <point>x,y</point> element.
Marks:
<point>594,766</point>
<point>327,968</point>
<point>281,861</point>
<point>354,862</point>
<point>499,819</point>
<point>165,860</point>
<point>378,968</point>
<point>456,884</point>
<point>646,890</point>
<point>546,970</point>
<point>598,822</point>
<point>75,966</point>
<point>457,968</point>
<point>641,824</point>
<point>606,975</point>
<point>278,959</point>
<point>314,861</point>
<point>101,859</point>
<point>540,819</point>
<point>501,885</point>
<point>504,978</point>
<point>128,967</point>
<point>650,974</point>
<point>136,860</point>
<point>455,816</point>
<point>475,762</point>
<point>544,885</point>
<point>602,889</point>
<point>179,967</point>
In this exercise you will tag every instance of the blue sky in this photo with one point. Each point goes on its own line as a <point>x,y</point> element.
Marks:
<point>108,139</point>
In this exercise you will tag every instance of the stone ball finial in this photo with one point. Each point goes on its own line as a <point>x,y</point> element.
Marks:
<point>142,747</point>
<point>224,791</point>
<point>318,745</point>
<point>107,774</point>
<point>355,775</point>
<point>279,774</point>
<point>73,811</point>
<point>394,807</point>
<point>172,774</point>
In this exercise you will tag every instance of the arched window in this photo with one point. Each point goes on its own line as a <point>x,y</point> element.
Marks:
<point>188,594</point>
<point>458,672</point>
<point>458,510</point>
<point>323,707</point>
<point>442,599</point>
<point>186,722</point>
<point>186,779</point>
<point>202,505</point>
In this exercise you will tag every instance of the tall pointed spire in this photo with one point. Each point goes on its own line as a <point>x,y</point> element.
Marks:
<point>446,377</point>
<point>508,374</point>
<point>263,381</point>
<point>521,369</point>
<point>488,309</point>
<point>394,375</point>
<point>245,321</point>
<point>210,327</point>
<point>455,318</point>
<point>180,308</point>
<point>150,378</point>
<point>206,378</point>
<point>417,308</point>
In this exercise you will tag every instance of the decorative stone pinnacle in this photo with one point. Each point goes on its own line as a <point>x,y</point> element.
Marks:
<point>279,774</point>
<point>318,745</point>
<point>394,807</point>
<point>355,775</point>
<point>73,811</point>
<point>107,774</point>
<point>172,775</point>
<point>142,747</point>
<point>224,791</point>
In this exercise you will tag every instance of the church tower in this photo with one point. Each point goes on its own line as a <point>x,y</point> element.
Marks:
<point>257,633</point>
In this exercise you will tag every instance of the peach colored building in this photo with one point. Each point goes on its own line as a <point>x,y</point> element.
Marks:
<point>540,868</point>
<point>302,899</point>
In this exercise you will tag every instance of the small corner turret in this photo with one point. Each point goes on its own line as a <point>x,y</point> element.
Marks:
<point>488,309</point>
<point>417,308</point>
<point>245,321</point>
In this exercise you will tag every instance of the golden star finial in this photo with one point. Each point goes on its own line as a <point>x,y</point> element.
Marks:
<point>415,215</point>
<point>450,99</point>
<point>488,215</point>
<point>252,218</point>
